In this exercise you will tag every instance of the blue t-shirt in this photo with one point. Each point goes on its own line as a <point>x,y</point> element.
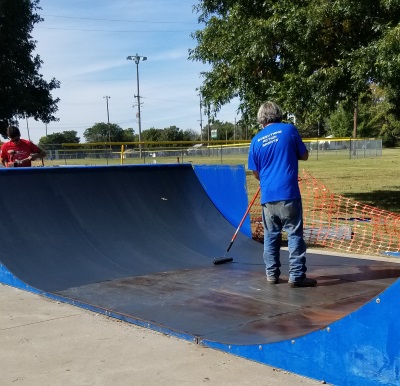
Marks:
<point>274,153</point>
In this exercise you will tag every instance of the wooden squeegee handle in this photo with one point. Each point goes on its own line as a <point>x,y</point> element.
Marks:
<point>244,217</point>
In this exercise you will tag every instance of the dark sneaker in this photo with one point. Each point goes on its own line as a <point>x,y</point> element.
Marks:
<point>304,282</point>
<point>272,280</point>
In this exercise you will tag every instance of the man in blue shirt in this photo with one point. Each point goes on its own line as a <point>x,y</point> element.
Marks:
<point>273,158</point>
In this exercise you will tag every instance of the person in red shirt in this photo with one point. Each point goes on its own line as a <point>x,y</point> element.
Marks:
<point>19,152</point>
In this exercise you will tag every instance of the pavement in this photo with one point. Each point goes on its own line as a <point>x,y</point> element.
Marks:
<point>45,342</point>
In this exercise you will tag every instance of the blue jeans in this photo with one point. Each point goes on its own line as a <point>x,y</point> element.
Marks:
<point>284,216</point>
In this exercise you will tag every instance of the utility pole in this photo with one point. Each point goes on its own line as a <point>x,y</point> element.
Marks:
<point>201,120</point>
<point>108,118</point>
<point>108,122</point>
<point>27,127</point>
<point>355,119</point>
<point>208,120</point>
<point>137,59</point>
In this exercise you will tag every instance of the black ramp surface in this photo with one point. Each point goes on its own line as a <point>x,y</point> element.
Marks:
<point>140,241</point>
<point>77,226</point>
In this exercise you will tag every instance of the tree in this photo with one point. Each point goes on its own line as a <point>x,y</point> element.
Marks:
<point>306,55</point>
<point>55,140</point>
<point>128,135</point>
<point>152,135</point>
<point>172,133</point>
<point>104,132</point>
<point>190,135</point>
<point>340,123</point>
<point>225,130</point>
<point>23,91</point>
<point>376,118</point>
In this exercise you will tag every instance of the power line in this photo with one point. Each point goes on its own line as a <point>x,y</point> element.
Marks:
<point>121,20</point>
<point>77,126</point>
<point>188,101</point>
<point>107,30</point>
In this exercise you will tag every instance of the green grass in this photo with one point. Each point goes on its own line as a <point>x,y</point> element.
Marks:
<point>372,181</point>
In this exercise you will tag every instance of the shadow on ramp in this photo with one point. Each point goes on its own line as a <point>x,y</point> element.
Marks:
<point>137,243</point>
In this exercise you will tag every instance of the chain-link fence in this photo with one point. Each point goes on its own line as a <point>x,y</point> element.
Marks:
<point>217,152</point>
<point>344,147</point>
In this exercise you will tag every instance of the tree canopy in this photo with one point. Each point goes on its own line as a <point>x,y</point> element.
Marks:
<point>55,140</point>
<point>376,118</point>
<point>104,132</point>
<point>308,56</point>
<point>222,130</point>
<point>23,91</point>
<point>172,133</point>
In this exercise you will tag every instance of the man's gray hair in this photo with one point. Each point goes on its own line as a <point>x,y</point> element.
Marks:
<point>269,112</point>
<point>13,132</point>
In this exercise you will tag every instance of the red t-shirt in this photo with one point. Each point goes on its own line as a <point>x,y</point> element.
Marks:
<point>11,152</point>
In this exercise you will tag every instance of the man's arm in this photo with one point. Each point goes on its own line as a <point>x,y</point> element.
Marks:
<point>40,154</point>
<point>256,174</point>
<point>304,156</point>
<point>2,155</point>
<point>35,152</point>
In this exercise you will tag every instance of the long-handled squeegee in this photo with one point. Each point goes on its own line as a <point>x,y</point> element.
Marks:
<point>224,259</point>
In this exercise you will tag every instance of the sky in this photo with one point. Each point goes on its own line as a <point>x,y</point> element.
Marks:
<point>85,44</point>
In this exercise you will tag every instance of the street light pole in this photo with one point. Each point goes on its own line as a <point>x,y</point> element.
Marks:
<point>137,59</point>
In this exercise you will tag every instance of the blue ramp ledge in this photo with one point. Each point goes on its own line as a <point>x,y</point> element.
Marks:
<point>363,348</point>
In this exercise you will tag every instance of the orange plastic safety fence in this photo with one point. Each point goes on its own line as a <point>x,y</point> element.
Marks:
<point>339,223</point>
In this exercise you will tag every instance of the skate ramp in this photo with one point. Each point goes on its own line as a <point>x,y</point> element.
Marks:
<point>137,243</point>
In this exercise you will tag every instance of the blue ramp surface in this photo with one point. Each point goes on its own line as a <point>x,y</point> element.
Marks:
<point>226,186</point>
<point>137,243</point>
